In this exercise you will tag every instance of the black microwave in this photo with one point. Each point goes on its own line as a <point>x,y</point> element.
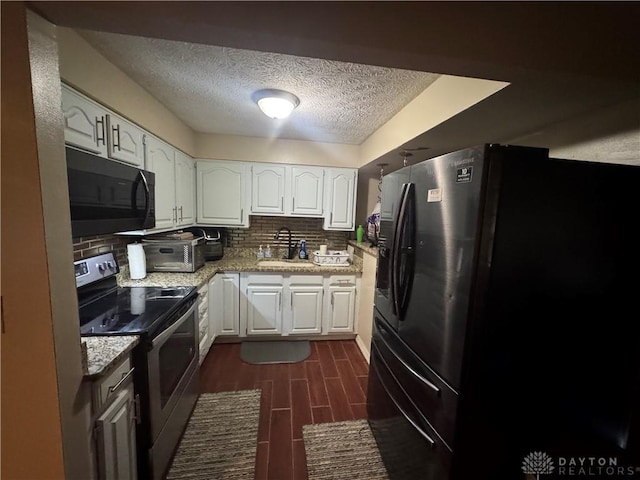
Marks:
<point>107,196</point>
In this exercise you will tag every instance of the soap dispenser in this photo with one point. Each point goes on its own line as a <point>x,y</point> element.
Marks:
<point>303,250</point>
<point>260,252</point>
<point>267,252</point>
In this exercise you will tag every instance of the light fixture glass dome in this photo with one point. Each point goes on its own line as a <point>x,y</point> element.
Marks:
<point>275,103</point>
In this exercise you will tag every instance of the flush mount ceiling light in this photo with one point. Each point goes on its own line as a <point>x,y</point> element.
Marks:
<point>275,103</point>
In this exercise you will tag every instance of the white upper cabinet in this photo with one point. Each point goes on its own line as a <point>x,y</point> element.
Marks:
<point>185,171</point>
<point>160,159</point>
<point>340,199</point>
<point>222,193</point>
<point>125,141</point>
<point>84,122</point>
<point>307,191</point>
<point>295,191</point>
<point>267,189</point>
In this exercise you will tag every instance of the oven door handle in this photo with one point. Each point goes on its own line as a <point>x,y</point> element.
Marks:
<point>160,339</point>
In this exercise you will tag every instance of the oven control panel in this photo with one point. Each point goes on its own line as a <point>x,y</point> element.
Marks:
<point>92,269</point>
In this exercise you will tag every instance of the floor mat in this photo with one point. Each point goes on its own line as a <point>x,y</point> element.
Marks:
<point>342,451</point>
<point>221,438</point>
<point>275,352</point>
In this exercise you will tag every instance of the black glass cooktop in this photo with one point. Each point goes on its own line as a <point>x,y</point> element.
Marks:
<point>133,310</point>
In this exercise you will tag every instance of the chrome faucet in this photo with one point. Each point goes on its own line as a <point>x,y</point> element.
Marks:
<point>291,248</point>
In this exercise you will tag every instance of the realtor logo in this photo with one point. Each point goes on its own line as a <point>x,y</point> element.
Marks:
<point>537,463</point>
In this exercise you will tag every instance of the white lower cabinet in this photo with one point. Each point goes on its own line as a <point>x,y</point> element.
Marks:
<point>224,306</point>
<point>296,304</point>
<point>262,304</point>
<point>304,315</point>
<point>340,304</point>
<point>114,407</point>
<point>205,335</point>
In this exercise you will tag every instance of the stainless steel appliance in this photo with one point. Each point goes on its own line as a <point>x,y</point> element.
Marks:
<point>171,255</point>
<point>505,315</point>
<point>165,361</point>
<point>213,245</point>
<point>107,196</point>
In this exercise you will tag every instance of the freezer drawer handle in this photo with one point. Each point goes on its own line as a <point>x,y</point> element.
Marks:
<point>406,365</point>
<point>431,441</point>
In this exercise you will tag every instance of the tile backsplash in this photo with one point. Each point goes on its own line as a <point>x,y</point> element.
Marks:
<point>263,228</point>
<point>259,233</point>
<point>84,247</point>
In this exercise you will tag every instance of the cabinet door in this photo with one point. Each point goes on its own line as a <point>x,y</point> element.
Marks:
<point>125,141</point>
<point>185,190</point>
<point>307,191</point>
<point>84,122</point>
<point>340,305</point>
<point>341,195</point>
<point>305,314</point>
<point>160,160</point>
<point>267,189</point>
<point>221,193</point>
<point>264,310</point>
<point>117,439</point>
<point>203,321</point>
<point>225,304</point>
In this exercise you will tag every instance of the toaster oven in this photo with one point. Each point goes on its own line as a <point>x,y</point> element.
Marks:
<point>168,255</point>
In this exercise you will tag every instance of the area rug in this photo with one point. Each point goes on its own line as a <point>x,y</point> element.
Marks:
<point>342,451</point>
<point>270,351</point>
<point>221,438</point>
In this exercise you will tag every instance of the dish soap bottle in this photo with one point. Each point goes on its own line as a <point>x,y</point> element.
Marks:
<point>359,234</point>
<point>303,250</point>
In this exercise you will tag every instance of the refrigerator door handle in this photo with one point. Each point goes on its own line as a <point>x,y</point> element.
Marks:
<point>420,431</point>
<point>393,254</point>
<point>407,252</point>
<point>405,364</point>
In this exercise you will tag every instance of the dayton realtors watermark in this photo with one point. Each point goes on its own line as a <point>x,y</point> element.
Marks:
<point>539,463</point>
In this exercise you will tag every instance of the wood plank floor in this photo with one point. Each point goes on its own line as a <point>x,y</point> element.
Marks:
<point>329,386</point>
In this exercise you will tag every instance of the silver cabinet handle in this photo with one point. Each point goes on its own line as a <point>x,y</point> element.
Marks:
<point>116,132</point>
<point>294,204</point>
<point>180,213</point>
<point>100,122</point>
<point>280,300</point>
<point>125,376</point>
<point>331,219</point>
<point>332,299</point>
<point>175,214</point>
<point>282,203</point>
<point>241,214</point>
<point>136,407</point>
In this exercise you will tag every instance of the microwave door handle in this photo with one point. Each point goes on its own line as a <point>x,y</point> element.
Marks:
<point>147,195</point>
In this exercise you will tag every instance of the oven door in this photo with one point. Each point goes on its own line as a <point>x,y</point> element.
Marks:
<point>171,364</point>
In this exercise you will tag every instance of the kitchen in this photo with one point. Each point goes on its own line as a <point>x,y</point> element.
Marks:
<point>613,115</point>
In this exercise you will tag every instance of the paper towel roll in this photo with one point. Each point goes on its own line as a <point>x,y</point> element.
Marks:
<point>137,261</point>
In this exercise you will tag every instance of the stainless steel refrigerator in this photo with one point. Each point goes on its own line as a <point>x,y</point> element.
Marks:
<point>506,326</point>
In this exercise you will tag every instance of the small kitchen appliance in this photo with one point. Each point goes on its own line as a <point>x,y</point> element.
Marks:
<point>213,245</point>
<point>165,361</point>
<point>174,255</point>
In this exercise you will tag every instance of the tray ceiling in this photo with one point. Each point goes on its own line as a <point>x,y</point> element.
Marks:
<point>209,88</point>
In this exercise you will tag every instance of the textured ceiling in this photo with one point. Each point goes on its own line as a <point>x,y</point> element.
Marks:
<point>210,88</point>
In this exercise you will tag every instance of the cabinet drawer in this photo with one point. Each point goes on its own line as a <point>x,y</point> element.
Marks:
<point>264,279</point>
<point>306,280</point>
<point>436,401</point>
<point>342,280</point>
<point>107,388</point>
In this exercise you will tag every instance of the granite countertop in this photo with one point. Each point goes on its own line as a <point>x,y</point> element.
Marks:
<point>104,352</point>
<point>365,247</point>
<point>231,263</point>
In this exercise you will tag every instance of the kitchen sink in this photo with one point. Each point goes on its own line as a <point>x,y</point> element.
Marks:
<point>282,263</point>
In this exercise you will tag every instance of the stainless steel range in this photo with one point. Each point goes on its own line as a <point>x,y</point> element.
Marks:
<point>165,361</point>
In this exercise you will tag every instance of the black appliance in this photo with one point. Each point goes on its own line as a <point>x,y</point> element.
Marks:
<point>213,245</point>
<point>165,361</point>
<point>506,324</point>
<point>107,196</point>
